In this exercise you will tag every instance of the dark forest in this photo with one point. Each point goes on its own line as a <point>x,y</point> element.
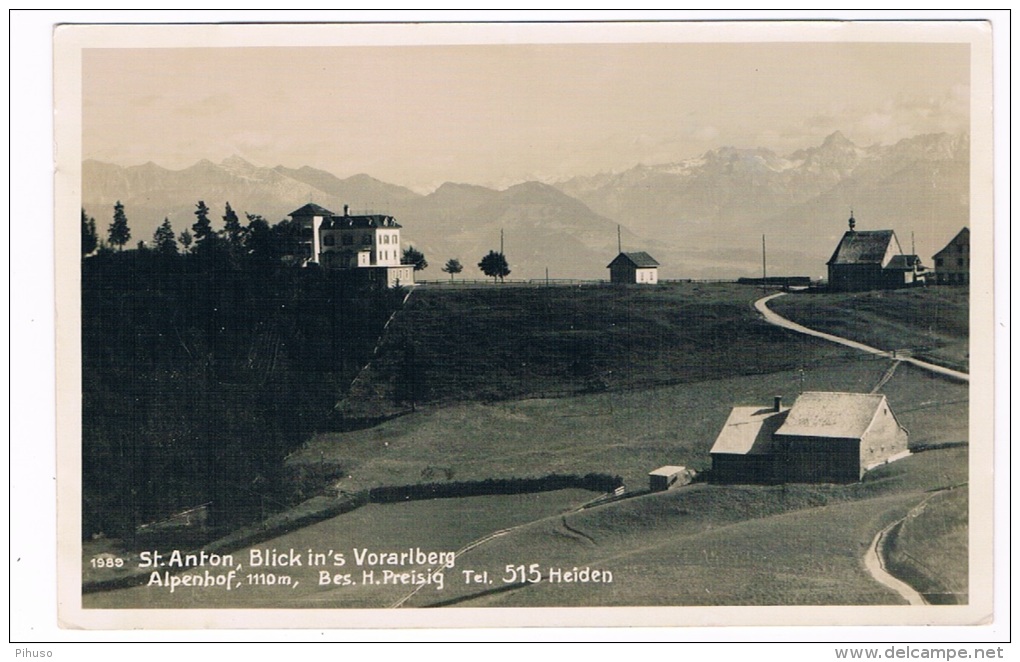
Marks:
<point>202,371</point>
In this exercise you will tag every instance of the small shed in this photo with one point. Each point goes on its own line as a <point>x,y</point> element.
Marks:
<point>639,267</point>
<point>668,476</point>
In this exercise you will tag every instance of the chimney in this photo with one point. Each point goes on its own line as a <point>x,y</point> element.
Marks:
<point>345,211</point>
<point>778,403</point>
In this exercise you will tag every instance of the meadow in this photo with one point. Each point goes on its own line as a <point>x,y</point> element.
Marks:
<point>527,382</point>
<point>496,343</point>
<point>697,545</point>
<point>931,323</point>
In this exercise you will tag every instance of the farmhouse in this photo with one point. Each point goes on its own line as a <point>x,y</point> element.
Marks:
<point>952,263</point>
<point>871,260</point>
<point>637,267</point>
<point>369,244</point>
<point>824,438</point>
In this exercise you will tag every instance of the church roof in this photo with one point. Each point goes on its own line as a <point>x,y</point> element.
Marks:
<point>863,247</point>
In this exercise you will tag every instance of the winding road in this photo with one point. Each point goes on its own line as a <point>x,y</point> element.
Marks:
<point>875,565</point>
<point>873,560</point>
<point>761,305</point>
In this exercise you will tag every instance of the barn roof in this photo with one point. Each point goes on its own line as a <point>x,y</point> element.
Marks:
<point>311,209</point>
<point>836,415</point>
<point>748,431</point>
<point>864,247</point>
<point>640,259</point>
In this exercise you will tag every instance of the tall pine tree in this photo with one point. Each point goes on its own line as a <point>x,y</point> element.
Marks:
<point>202,226</point>
<point>166,242</point>
<point>232,228</point>
<point>119,232</point>
<point>89,238</point>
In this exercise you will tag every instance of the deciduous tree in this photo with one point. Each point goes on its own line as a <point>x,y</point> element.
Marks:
<point>495,266</point>
<point>258,240</point>
<point>186,239</point>
<point>414,256</point>
<point>453,266</point>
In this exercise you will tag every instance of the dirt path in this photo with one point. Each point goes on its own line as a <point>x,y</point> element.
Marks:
<point>875,564</point>
<point>761,305</point>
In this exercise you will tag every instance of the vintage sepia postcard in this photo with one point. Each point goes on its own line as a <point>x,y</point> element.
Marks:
<point>524,324</point>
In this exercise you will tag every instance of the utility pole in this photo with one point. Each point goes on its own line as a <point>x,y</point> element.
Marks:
<point>619,241</point>
<point>501,241</point>
<point>764,281</point>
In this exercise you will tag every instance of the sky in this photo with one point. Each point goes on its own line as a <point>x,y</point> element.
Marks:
<point>496,115</point>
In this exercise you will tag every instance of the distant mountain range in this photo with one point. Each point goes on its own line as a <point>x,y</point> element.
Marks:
<point>700,218</point>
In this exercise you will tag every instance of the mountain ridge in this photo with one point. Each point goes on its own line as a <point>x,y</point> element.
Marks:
<point>700,217</point>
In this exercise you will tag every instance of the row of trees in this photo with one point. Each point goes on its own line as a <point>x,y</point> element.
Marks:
<point>236,239</point>
<point>233,236</point>
<point>493,265</point>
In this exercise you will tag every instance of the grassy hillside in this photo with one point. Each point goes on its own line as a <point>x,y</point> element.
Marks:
<point>699,545</point>
<point>628,433</point>
<point>522,382</point>
<point>497,343</point>
<point>719,545</point>
<point>440,525</point>
<point>929,550</point>
<point>932,323</point>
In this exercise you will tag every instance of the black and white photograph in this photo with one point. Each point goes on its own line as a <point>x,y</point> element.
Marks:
<point>524,324</point>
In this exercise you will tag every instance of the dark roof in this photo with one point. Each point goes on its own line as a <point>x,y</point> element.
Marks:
<point>962,238</point>
<point>366,221</point>
<point>864,247</point>
<point>904,262</point>
<point>311,209</point>
<point>641,260</point>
